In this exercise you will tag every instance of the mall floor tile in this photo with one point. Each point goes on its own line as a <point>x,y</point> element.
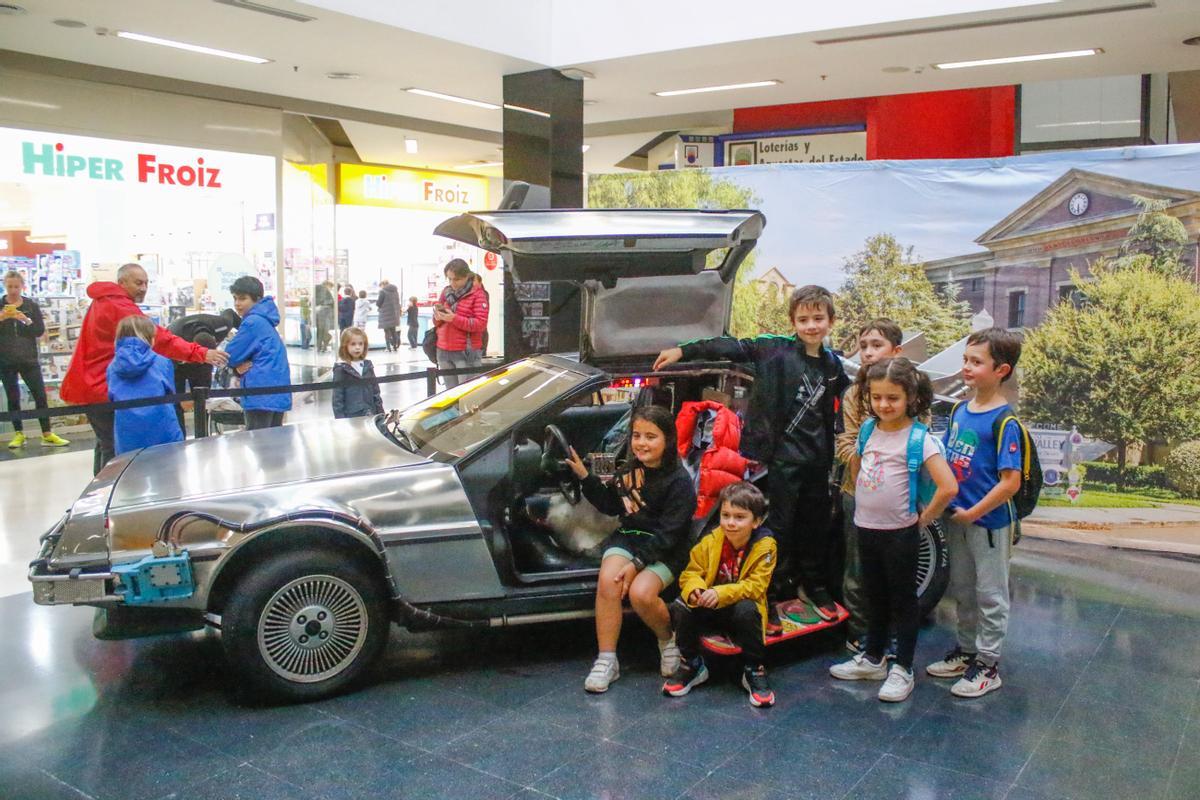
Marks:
<point>1101,699</point>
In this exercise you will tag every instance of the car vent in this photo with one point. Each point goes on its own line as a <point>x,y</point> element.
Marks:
<point>249,5</point>
<point>986,23</point>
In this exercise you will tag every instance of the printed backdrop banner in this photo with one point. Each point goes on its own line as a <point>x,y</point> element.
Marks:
<point>1053,204</point>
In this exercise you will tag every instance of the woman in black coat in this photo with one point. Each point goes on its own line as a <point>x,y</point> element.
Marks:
<point>389,313</point>
<point>20,326</point>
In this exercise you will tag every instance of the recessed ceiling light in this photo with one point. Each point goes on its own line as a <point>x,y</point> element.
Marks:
<point>576,74</point>
<point>453,98</point>
<point>191,48</point>
<point>342,76</point>
<point>590,102</point>
<point>987,62</point>
<point>534,111</point>
<point>410,145</point>
<point>587,147</point>
<point>895,70</point>
<point>70,23</point>
<point>724,88</point>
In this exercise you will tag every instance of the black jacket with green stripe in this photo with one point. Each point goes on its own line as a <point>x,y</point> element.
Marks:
<point>780,369</point>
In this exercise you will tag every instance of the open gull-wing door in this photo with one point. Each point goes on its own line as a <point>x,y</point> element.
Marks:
<point>651,278</point>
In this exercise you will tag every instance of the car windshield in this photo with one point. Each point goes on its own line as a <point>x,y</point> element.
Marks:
<point>461,419</point>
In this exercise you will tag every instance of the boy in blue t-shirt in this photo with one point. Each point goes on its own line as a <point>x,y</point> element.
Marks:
<point>979,520</point>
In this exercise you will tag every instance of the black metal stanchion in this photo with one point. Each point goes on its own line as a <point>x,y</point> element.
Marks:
<point>200,411</point>
<point>431,374</point>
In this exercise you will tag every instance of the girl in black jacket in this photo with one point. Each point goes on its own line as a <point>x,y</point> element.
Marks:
<point>355,392</point>
<point>655,500</point>
<point>20,326</point>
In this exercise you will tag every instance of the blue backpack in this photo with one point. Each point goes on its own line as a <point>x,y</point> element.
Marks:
<point>921,487</point>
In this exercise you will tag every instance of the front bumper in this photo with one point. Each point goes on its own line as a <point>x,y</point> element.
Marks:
<point>71,588</point>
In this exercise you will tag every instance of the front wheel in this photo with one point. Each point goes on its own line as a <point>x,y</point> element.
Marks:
<point>933,567</point>
<point>304,625</point>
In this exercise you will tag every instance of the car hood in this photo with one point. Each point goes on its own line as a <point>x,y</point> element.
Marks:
<point>234,462</point>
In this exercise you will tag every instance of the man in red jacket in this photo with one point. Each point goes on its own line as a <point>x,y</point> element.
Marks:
<point>86,381</point>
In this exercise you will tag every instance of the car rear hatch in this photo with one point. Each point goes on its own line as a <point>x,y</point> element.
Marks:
<point>651,278</point>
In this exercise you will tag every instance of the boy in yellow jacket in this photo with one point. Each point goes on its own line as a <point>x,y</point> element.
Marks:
<point>724,587</point>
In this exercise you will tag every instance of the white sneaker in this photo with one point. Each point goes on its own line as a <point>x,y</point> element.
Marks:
<point>860,668</point>
<point>898,686</point>
<point>978,680</point>
<point>669,657</point>
<point>603,673</point>
<point>952,665</point>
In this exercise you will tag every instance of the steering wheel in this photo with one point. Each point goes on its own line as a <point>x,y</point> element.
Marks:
<point>555,449</point>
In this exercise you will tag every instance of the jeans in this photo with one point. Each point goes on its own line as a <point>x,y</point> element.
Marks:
<point>259,418</point>
<point>305,334</point>
<point>889,572</point>
<point>457,359</point>
<point>324,327</point>
<point>102,423</point>
<point>742,621</point>
<point>412,336</point>
<point>979,586</point>
<point>31,373</point>
<point>391,338</point>
<point>800,509</point>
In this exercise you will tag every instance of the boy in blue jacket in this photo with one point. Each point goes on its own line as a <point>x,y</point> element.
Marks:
<point>136,371</point>
<point>258,354</point>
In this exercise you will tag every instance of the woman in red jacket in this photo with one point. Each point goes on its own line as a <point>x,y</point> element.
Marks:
<point>461,317</point>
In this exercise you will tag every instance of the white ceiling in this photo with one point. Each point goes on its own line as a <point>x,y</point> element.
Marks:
<point>465,47</point>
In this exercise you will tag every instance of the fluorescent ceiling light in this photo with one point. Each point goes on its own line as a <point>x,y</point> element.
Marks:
<point>16,101</point>
<point>986,62</point>
<point>192,48</point>
<point>410,145</point>
<point>534,111</point>
<point>481,165</point>
<point>454,98</point>
<point>1089,122</point>
<point>726,87</point>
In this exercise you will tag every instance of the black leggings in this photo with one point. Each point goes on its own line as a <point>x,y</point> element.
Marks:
<point>889,578</point>
<point>800,516</point>
<point>741,621</point>
<point>31,373</point>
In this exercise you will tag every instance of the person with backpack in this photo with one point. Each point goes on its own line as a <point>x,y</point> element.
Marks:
<point>902,483</point>
<point>984,444</point>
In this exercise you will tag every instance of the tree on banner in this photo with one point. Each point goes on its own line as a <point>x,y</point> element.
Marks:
<point>883,280</point>
<point>1120,365</point>
<point>757,308</point>
<point>1156,240</point>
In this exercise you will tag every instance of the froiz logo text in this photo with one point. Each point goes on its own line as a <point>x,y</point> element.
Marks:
<point>51,160</point>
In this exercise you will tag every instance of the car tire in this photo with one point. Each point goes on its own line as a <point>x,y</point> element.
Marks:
<point>304,625</point>
<point>933,567</point>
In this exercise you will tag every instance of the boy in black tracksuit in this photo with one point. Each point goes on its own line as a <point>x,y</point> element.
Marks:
<point>790,427</point>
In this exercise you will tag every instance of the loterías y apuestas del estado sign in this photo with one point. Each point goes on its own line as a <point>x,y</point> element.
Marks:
<point>57,160</point>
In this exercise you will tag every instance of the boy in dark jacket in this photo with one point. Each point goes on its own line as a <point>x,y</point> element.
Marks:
<point>790,426</point>
<point>258,354</point>
<point>135,372</point>
<point>355,392</point>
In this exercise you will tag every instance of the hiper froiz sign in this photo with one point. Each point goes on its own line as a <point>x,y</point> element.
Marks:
<point>32,156</point>
<point>55,160</point>
<point>392,187</point>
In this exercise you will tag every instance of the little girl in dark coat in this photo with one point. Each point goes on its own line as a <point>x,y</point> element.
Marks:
<point>355,393</point>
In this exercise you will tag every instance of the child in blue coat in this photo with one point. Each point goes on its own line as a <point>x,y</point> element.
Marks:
<point>135,372</point>
<point>258,354</point>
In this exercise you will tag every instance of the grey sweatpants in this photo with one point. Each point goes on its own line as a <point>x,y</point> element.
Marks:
<point>979,586</point>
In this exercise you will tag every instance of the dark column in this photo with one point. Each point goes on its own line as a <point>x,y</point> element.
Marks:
<point>543,146</point>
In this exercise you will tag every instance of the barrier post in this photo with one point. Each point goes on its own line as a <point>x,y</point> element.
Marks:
<point>200,411</point>
<point>430,381</point>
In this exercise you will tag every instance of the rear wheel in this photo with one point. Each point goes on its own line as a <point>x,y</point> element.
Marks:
<point>305,625</point>
<point>933,567</point>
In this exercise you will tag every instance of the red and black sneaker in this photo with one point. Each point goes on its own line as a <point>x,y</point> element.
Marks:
<point>824,605</point>
<point>754,681</point>
<point>686,676</point>
<point>774,626</point>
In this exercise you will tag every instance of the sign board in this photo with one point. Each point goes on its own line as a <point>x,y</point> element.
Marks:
<point>815,148</point>
<point>1055,448</point>
<point>397,187</point>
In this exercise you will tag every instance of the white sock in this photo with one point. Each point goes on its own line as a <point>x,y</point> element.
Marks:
<point>607,655</point>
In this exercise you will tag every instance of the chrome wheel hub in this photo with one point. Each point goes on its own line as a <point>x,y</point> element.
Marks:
<point>312,628</point>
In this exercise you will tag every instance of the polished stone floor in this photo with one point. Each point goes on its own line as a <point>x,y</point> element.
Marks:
<point>1101,695</point>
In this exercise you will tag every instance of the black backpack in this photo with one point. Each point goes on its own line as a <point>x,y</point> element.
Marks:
<point>1026,498</point>
<point>429,344</point>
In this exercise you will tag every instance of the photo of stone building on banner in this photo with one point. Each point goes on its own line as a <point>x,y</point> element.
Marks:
<point>1081,217</point>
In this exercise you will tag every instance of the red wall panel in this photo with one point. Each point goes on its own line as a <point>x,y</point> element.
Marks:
<point>963,123</point>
